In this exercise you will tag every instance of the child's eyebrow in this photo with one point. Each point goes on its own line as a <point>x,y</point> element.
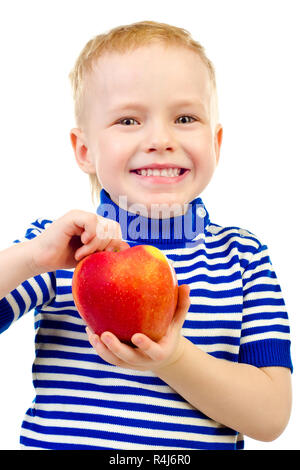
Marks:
<point>177,104</point>
<point>186,102</point>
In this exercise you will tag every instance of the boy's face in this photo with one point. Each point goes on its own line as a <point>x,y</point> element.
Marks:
<point>149,106</point>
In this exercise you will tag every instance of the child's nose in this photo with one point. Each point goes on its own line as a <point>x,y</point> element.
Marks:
<point>158,147</point>
<point>160,143</point>
<point>159,138</point>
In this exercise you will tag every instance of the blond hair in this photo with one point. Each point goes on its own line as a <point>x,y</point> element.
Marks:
<point>123,39</point>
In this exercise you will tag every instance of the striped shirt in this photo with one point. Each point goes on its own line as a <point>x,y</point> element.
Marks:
<point>237,313</point>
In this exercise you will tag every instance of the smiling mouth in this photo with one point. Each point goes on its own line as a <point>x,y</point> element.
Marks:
<point>163,173</point>
<point>161,177</point>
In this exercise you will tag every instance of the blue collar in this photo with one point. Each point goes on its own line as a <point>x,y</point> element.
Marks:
<point>179,231</point>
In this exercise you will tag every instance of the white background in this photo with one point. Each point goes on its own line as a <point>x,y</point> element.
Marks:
<point>254,45</point>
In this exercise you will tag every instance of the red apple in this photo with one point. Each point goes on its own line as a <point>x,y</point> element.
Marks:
<point>131,291</point>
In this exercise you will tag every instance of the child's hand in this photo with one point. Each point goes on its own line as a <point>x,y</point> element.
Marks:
<point>148,355</point>
<point>73,236</point>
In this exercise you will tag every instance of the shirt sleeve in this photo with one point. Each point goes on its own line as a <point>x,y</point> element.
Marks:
<point>265,335</point>
<point>33,292</point>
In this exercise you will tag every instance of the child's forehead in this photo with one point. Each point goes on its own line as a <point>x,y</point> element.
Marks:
<point>154,55</point>
<point>151,65</point>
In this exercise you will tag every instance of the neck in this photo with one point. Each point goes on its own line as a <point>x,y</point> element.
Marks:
<point>176,231</point>
<point>156,211</point>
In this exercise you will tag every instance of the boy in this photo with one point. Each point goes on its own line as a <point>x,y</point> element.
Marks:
<point>148,134</point>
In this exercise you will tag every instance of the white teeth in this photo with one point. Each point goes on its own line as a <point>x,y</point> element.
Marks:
<point>168,172</point>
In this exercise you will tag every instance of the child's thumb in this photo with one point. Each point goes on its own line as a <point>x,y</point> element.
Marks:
<point>183,304</point>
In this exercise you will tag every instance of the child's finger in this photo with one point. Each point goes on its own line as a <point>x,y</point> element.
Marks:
<point>148,347</point>
<point>86,250</point>
<point>123,351</point>
<point>94,242</point>
<point>183,305</point>
<point>102,350</point>
<point>106,229</point>
<point>117,245</point>
<point>97,226</point>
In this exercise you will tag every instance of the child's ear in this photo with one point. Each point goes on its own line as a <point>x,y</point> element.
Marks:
<point>218,141</point>
<point>81,151</point>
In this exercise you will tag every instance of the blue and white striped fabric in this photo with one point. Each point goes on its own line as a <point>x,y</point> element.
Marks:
<point>237,313</point>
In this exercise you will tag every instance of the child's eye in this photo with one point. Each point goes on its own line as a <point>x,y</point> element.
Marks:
<point>126,121</point>
<point>186,119</point>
